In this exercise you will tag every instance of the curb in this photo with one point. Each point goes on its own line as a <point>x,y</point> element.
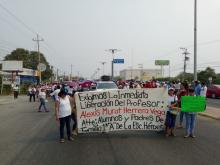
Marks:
<point>209,115</point>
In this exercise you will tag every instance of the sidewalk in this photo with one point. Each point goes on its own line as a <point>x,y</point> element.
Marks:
<point>211,112</point>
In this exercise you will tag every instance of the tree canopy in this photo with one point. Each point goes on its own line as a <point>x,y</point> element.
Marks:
<point>30,61</point>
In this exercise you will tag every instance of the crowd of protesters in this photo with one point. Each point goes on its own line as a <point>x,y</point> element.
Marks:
<point>176,90</point>
<point>65,107</point>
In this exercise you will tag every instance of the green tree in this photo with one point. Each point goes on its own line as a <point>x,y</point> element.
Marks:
<point>203,76</point>
<point>186,76</point>
<point>217,80</point>
<point>30,61</point>
<point>117,78</point>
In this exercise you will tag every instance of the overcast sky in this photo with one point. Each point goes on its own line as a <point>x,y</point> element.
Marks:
<point>78,32</point>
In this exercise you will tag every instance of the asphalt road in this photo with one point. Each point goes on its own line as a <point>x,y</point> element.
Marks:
<point>213,103</point>
<point>31,138</point>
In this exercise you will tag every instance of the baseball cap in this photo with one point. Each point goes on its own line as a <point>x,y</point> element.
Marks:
<point>171,88</point>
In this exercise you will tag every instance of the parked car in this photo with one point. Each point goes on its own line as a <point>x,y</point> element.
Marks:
<point>72,84</point>
<point>213,91</point>
<point>85,85</point>
<point>105,85</point>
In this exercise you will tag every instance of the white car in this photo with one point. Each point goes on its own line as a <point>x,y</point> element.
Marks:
<point>105,85</point>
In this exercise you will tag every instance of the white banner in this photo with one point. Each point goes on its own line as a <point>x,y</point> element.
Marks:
<point>117,110</point>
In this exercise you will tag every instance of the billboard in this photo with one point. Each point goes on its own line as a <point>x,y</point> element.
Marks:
<point>162,62</point>
<point>12,66</point>
<point>7,79</point>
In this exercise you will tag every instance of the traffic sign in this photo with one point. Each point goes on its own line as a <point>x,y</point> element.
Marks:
<point>118,61</point>
<point>41,67</point>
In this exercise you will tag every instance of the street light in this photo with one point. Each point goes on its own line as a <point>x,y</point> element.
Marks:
<point>113,51</point>
<point>98,69</point>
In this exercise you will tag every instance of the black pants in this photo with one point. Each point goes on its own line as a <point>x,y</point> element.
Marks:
<point>32,95</point>
<point>15,94</point>
<point>65,121</point>
<point>73,117</point>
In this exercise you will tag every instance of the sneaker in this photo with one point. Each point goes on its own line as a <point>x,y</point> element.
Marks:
<point>192,136</point>
<point>173,134</point>
<point>186,136</point>
<point>47,111</point>
<point>62,141</point>
<point>74,133</point>
<point>70,139</point>
<point>39,111</point>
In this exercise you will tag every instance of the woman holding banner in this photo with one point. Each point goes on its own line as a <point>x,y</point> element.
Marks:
<point>171,113</point>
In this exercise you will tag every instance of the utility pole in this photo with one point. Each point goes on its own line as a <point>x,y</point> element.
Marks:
<point>131,71</point>
<point>103,63</point>
<point>57,76</point>
<point>98,69</point>
<point>71,72</point>
<point>38,50</point>
<point>186,58</point>
<point>52,77</point>
<point>195,41</point>
<point>113,51</point>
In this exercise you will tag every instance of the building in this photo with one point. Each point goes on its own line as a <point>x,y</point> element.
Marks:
<point>26,75</point>
<point>140,74</point>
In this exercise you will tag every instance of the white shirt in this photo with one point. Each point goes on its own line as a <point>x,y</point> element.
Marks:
<point>42,95</point>
<point>15,88</point>
<point>55,93</point>
<point>64,107</point>
<point>70,90</point>
<point>171,99</point>
<point>203,91</point>
<point>177,86</point>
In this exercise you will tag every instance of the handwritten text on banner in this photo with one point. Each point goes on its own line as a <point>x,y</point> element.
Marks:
<point>116,110</point>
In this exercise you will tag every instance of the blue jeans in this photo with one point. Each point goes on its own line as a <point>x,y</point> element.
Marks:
<point>181,117</point>
<point>170,120</point>
<point>42,103</point>
<point>190,123</point>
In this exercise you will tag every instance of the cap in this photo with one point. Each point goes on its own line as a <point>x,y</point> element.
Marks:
<point>171,89</point>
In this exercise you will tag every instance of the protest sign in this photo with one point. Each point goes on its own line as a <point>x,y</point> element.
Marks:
<point>193,103</point>
<point>116,110</point>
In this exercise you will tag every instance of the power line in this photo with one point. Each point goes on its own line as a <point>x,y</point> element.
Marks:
<point>22,23</point>
<point>18,19</point>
